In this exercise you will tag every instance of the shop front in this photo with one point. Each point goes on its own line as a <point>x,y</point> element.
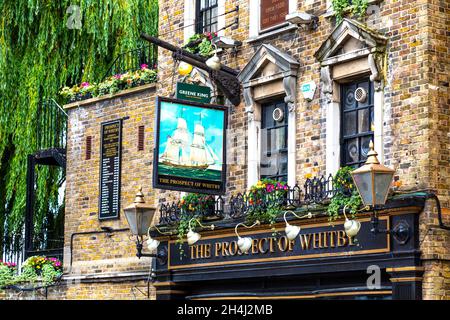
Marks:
<point>322,262</point>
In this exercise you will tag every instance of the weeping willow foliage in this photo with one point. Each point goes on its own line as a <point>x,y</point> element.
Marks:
<point>39,55</point>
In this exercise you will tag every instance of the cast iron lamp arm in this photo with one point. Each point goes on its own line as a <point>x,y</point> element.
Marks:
<point>161,255</point>
<point>401,232</point>
<point>309,215</point>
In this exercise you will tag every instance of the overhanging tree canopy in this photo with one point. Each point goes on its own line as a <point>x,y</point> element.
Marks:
<point>39,54</point>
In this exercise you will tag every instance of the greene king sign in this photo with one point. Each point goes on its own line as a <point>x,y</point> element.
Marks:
<point>192,92</point>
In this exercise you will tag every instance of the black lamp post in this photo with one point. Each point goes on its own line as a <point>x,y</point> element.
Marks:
<point>373,181</point>
<point>139,217</point>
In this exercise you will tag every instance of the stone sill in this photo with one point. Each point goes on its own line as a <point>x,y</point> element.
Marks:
<point>331,13</point>
<point>121,93</point>
<point>268,34</point>
<point>107,277</point>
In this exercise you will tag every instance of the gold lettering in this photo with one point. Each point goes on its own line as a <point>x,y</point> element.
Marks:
<point>342,238</point>
<point>325,240</point>
<point>208,250</point>
<point>305,241</point>
<point>233,248</point>
<point>350,241</point>
<point>283,244</point>
<point>291,244</point>
<point>192,252</point>
<point>225,249</point>
<point>271,241</point>
<point>332,235</point>
<point>261,245</point>
<point>254,246</point>
<point>200,251</point>
<point>218,246</point>
<point>317,242</point>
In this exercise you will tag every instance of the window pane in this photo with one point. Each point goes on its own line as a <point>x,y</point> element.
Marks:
<point>363,120</point>
<point>274,143</point>
<point>349,98</point>
<point>352,150</point>
<point>349,123</point>
<point>280,139</point>
<point>365,141</point>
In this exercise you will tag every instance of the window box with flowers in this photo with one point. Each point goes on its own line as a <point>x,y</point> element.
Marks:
<point>266,200</point>
<point>110,85</point>
<point>201,44</point>
<point>36,271</point>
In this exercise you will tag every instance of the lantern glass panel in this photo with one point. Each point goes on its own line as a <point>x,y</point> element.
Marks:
<point>363,182</point>
<point>139,220</point>
<point>382,183</point>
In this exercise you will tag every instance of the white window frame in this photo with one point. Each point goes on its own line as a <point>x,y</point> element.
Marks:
<point>189,18</point>
<point>333,127</point>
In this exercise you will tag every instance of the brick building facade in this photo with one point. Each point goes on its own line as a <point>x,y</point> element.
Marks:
<point>399,51</point>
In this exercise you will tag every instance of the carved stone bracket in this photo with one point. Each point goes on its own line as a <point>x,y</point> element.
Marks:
<point>375,65</point>
<point>249,103</point>
<point>326,83</point>
<point>290,86</point>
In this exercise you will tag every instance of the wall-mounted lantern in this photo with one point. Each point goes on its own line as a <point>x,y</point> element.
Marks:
<point>139,216</point>
<point>373,181</point>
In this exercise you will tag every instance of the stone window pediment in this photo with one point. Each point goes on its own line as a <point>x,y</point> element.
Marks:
<point>350,39</point>
<point>268,61</point>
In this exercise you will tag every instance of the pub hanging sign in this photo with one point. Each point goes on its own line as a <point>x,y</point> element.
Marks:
<point>110,163</point>
<point>190,146</point>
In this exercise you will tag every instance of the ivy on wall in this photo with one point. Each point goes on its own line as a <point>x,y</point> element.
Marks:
<point>44,46</point>
<point>355,7</point>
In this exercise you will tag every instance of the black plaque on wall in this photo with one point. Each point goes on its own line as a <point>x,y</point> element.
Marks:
<point>110,162</point>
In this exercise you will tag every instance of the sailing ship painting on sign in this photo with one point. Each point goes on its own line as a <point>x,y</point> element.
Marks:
<point>190,146</point>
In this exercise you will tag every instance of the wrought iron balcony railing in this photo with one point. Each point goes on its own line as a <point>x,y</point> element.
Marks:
<point>132,60</point>
<point>313,191</point>
<point>51,129</point>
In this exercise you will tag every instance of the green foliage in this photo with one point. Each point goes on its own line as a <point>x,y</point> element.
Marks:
<point>356,7</point>
<point>110,85</point>
<point>189,205</point>
<point>201,44</point>
<point>266,197</point>
<point>6,275</point>
<point>39,55</point>
<point>35,269</point>
<point>347,194</point>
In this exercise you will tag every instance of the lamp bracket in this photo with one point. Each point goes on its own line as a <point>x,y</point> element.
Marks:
<point>225,78</point>
<point>401,231</point>
<point>161,255</point>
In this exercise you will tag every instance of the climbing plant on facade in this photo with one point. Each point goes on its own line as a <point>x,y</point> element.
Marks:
<point>355,7</point>
<point>45,46</point>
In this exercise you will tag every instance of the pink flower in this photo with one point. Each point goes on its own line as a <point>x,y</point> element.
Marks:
<point>118,76</point>
<point>144,66</point>
<point>85,84</point>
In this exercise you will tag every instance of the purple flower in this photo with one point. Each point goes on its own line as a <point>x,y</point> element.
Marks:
<point>118,76</point>
<point>144,66</point>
